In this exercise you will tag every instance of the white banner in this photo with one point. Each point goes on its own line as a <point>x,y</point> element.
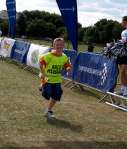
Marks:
<point>34,53</point>
<point>6,46</point>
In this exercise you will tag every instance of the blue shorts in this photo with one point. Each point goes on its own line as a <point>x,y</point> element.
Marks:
<point>53,91</point>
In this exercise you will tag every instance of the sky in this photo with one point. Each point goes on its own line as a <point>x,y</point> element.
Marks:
<point>89,11</point>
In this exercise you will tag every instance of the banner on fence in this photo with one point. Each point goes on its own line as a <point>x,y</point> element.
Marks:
<point>96,71</point>
<point>33,55</point>
<point>6,47</point>
<point>19,51</point>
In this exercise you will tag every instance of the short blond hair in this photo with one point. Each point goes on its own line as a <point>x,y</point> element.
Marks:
<point>58,39</point>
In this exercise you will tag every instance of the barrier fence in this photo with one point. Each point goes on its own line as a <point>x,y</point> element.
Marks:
<point>90,69</point>
<point>19,51</point>
<point>95,70</point>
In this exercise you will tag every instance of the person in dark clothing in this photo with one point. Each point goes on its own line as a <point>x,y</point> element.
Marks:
<point>90,47</point>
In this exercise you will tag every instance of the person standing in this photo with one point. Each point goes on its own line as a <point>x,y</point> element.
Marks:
<point>122,61</point>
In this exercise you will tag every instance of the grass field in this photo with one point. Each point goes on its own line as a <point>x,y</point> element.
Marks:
<point>82,122</point>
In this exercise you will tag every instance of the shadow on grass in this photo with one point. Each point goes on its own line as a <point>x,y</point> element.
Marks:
<point>71,145</point>
<point>65,124</point>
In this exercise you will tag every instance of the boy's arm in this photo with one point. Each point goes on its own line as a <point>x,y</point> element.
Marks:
<point>42,64</point>
<point>68,66</point>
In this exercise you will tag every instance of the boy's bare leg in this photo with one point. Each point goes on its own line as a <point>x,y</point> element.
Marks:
<point>51,104</point>
<point>46,103</point>
<point>123,75</point>
<point>123,79</point>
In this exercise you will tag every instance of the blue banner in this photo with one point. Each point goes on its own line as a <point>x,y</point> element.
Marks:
<point>19,51</point>
<point>95,70</point>
<point>71,54</point>
<point>11,10</point>
<point>68,9</point>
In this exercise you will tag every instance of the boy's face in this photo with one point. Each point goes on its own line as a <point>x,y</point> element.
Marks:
<point>124,24</point>
<point>58,45</point>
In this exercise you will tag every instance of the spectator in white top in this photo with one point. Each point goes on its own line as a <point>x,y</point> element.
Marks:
<point>122,61</point>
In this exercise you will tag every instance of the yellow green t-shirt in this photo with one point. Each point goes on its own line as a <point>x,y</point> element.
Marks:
<point>54,66</point>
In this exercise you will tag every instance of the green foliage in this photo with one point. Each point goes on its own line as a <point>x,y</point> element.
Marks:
<point>4,27</point>
<point>36,28</point>
<point>41,24</point>
<point>21,24</point>
<point>103,31</point>
<point>116,31</point>
<point>80,32</point>
<point>91,35</point>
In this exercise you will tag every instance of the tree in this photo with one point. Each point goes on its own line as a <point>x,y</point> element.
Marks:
<point>21,24</point>
<point>36,28</point>
<point>116,31</point>
<point>91,34</point>
<point>51,30</point>
<point>40,24</point>
<point>81,32</point>
<point>4,27</point>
